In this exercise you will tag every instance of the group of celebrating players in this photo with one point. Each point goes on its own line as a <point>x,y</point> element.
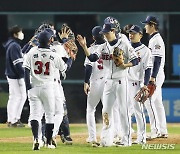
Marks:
<point>114,82</point>
<point>119,71</point>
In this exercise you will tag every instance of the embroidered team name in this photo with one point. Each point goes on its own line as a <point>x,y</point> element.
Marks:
<point>35,56</point>
<point>106,56</point>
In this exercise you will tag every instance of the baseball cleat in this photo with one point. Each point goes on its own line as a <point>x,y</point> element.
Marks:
<point>116,139</point>
<point>54,142</point>
<point>152,136</point>
<point>95,144</point>
<point>138,142</point>
<point>20,124</point>
<point>66,139</point>
<point>120,144</point>
<point>163,136</point>
<point>36,145</point>
<point>50,146</point>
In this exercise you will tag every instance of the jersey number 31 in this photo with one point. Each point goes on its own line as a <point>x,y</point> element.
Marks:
<point>40,68</point>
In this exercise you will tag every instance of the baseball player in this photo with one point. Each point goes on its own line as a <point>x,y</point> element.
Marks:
<point>116,82</point>
<point>59,93</point>
<point>57,47</point>
<point>138,77</point>
<point>94,74</point>
<point>40,64</point>
<point>15,76</point>
<point>154,105</point>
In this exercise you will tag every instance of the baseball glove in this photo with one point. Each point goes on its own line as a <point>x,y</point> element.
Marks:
<point>151,87</point>
<point>118,56</point>
<point>142,95</point>
<point>71,48</point>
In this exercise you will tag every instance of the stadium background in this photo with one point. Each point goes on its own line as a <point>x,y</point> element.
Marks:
<point>82,16</point>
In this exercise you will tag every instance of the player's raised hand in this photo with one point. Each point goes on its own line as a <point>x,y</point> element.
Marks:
<point>64,33</point>
<point>86,88</point>
<point>81,40</point>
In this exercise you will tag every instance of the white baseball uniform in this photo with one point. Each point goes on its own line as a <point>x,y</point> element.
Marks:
<point>154,105</point>
<point>136,81</point>
<point>117,127</point>
<point>42,64</point>
<point>116,88</point>
<point>59,93</point>
<point>97,81</point>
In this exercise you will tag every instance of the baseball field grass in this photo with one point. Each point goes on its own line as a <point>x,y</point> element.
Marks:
<point>19,141</point>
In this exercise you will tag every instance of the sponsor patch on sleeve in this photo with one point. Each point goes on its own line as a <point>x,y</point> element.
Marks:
<point>157,46</point>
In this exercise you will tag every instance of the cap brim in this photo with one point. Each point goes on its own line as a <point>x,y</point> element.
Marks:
<point>104,31</point>
<point>133,31</point>
<point>144,22</point>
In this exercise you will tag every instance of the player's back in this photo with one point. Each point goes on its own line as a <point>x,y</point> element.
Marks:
<point>42,63</point>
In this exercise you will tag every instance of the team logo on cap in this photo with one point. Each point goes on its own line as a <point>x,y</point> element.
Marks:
<point>110,19</point>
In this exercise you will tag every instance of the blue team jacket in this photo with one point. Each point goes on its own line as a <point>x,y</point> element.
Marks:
<point>14,59</point>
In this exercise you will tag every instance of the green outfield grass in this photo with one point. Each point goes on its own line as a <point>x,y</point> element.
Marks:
<point>19,141</point>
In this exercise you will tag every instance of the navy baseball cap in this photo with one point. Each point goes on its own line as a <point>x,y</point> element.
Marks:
<point>51,32</point>
<point>135,29</point>
<point>107,28</point>
<point>151,19</point>
<point>96,30</point>
<point>44,37</point>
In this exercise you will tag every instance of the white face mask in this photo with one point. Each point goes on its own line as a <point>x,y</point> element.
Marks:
<point>20,35</point>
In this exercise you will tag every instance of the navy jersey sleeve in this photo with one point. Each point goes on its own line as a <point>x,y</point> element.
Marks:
<point>27,79</point>
<point>26,48</point>
<point>93,57</point>
<point>17,59</point>
<point>88,72</point>
<point>157,63</point>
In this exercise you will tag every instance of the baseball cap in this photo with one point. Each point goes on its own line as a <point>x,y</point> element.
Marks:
<point>135,29</point>
<point>106,28</point>
<point>96,30</point>
<point>51,32</point>
<point>151,19</point>
<point>44,37</point>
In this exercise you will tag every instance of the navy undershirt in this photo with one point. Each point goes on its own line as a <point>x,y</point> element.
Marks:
<point>88,71</point>
<point>157,63</point>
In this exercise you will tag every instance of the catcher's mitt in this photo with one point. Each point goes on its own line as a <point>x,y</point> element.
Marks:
<point>151,87</point>
<point>118,56</point>
<point>71,48</point>
<point>142,95</point>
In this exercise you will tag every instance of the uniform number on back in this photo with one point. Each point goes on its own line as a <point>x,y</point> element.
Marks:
<point>100,64</point>
<point>42,68</point>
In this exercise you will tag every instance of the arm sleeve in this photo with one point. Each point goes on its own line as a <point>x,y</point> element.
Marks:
<point>147,76</point>
<point>60,64</point>
<point>134,61</point>
<point>157,62</point>
<point>69,63</point>
<point>93,57</point>
<point>17,60</point>
<point>26,48</point>
<point>88,71</point>
<point>27,78</point>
